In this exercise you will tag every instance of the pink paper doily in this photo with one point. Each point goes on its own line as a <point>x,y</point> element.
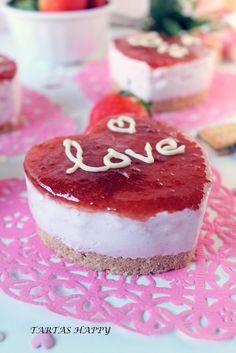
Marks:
<point>199,300</point>
<point>95,81</point>
<point>43,119</point>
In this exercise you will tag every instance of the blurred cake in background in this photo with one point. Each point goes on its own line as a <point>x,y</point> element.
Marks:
<point>10,95</point>
<point>223,33</point>
<point>171,72</point>
<point>166,63</point>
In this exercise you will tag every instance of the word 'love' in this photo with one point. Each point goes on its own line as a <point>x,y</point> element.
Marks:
<point>166,147</point>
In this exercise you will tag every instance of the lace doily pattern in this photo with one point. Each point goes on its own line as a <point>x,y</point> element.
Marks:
<point>42,119</point>
<point>95,81</point>
<point>199,300</point>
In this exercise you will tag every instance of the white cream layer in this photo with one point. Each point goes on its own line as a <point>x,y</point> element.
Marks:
<point>160,84</point>
<point>10,101</point>
<point>109,234</point>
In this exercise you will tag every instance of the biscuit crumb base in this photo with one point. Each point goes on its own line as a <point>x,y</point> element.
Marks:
<point>127,266</point>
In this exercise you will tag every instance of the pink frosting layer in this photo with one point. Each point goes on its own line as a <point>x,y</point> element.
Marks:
<point>113,235</point>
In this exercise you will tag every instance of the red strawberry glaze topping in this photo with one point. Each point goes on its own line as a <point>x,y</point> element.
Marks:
<point>155,59</point>
<point>8,68</point>
<point>139,191</point>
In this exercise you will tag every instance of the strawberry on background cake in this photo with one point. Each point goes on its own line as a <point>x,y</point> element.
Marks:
<point>10,95</point>
<point>171,72</point>
<point>128,197</point>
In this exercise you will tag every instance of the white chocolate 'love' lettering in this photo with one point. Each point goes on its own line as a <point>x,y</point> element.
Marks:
<point>78,160</point>
<point>118,124</point>
<point>146,159</point>
<point>168,147</point>
<point>79,154</point>
<point>125,160</point>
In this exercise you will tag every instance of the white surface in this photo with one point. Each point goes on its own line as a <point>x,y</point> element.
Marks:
<point>16,318</point>
<point>17,327</point>
<point>66,37</point>
<point>130,238</point>
<point>164,83</point>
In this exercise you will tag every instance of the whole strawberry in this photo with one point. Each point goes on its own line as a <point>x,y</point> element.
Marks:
<point>62,5</point>
<point>118,103</point>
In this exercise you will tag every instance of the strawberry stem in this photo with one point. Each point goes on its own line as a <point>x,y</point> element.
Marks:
<point>145,104</point>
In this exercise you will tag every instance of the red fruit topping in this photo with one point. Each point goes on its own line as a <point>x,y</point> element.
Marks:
<point>139,191</point>
<point>116,104</point>
<point>97,3</point>
<point>62,5</point>
<point>155,59</point>
<point>8,68</point>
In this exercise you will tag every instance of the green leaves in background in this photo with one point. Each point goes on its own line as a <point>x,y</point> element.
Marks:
<point>25,4</point>
<point>166,16</point>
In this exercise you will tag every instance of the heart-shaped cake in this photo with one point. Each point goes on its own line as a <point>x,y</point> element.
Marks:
<point>171,72</point>
<point>128,197</point>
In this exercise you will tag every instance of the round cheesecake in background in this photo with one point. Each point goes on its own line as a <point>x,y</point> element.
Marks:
<point>129,197</point>
<point>10,95</point>
<point>171,72</point>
